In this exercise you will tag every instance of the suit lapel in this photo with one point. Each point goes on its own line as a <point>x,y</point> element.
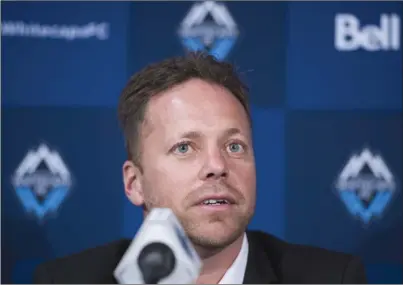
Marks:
<point>258,269</point>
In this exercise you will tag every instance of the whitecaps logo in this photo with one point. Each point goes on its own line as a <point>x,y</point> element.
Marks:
<point>41,190</point>
<point>217,36</point>
<point>98,31</point>
<point>366,195</point>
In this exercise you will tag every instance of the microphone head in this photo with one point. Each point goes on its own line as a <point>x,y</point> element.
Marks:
<point>156,261</point>
<point>161,252</point>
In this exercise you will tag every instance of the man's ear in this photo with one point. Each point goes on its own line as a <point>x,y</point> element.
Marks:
<point>132,181</point>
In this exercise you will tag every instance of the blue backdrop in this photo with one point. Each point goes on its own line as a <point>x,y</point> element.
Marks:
<point>326,95</point>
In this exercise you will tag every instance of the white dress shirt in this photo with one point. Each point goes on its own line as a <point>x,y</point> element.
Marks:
<point>236,272</point>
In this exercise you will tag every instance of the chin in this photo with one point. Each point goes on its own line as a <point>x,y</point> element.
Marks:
<point>216,234</point>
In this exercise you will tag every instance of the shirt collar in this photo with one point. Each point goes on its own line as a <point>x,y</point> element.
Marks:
<point>236,272</point>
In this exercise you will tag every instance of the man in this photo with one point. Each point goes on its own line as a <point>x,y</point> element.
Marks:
<point>188,135</point>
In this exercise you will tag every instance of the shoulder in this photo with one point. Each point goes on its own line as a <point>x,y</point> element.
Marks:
<point>295,263</point>
<point>94,265</point>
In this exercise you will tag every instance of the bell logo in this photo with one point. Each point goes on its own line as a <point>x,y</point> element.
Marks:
<point>351,36</point>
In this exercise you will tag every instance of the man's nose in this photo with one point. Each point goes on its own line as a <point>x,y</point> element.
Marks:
<point>214,166</point>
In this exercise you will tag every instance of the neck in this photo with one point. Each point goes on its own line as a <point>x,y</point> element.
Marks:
<point>217,263</point>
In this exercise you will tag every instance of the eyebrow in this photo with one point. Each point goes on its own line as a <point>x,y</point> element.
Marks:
<point>196,135</point>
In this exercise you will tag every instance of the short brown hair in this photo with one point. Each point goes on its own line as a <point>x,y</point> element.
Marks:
<point>161,76</point>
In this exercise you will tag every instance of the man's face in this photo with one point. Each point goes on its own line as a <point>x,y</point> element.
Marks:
<point>196,150</point>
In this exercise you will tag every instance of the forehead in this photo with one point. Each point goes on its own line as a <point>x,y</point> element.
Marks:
<point>196,104</point>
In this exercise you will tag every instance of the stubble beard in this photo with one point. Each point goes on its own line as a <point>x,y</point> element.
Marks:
<point>211,234</point>
<point>224,230</point>
<point>208,243</point>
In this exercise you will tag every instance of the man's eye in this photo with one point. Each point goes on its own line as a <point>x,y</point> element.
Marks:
<point>235,147</point>
<point>182,148</point>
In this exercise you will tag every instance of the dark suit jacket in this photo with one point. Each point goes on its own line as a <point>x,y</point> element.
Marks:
<point>270,260</point>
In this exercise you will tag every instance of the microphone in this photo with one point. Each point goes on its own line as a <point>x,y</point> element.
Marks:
<point>160,253</point>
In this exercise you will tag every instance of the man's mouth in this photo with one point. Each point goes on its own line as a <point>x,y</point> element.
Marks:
<point>215,202</point>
